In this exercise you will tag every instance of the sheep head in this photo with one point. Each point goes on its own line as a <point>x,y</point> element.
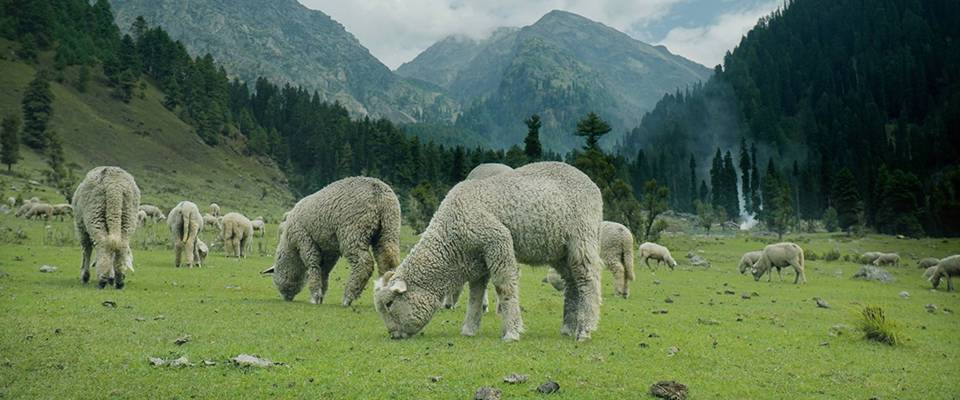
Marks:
<point>759,269</point>
<point>405,310</point>
<point>289,273</point>
<point>935,278</point>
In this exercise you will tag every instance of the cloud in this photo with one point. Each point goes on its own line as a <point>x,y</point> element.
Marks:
<point>395,31</point>
<point>708,44</point>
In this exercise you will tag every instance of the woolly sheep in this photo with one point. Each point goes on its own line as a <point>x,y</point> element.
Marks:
<point>781,255</point>
<point>927,262</point>
<point>542,213</point>
<point>869,257</point>
<point>657,252</point>
<point>141,218</point>
<point>887,259</point>
<point>25,208</point>
<point>211,221</point>
<point>235,231</point>
<point>348,218</point>
<point>749,258</point>
<point>946,268</point>
<point>481,171</point>
<point>185,225</point>
<point>153,212</point>
<point>62,210</point>
<point>202,251</point>
<point>106,204</point>
<point>40,210</point>
<point>928,273</point>
<point>616,252</point>
<point>215,209</point>
<point>259,226</point>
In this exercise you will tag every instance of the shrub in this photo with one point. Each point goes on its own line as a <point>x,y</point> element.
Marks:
<point>832,255</point>
<point>877,327</point>
<point>830,221</point>
<point>811,255</point>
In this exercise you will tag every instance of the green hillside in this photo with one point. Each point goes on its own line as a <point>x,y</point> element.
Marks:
<point>164,154</point>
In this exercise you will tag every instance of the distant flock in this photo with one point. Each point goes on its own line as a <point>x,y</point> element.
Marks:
<point>546,213</point>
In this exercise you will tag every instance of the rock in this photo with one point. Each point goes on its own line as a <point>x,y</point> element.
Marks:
<point>668,300</point>
<point>821,303</point>
<point>48,268</point>
<point>548,387</point>
<point>246,360</point>
<point>182,340</point>
<point>745,296</point>
<point>707,321</point>
<point>156,361</point>
<point>109,304</point>
<point>947,311</point>
<point>698,261</point>
<point>139,319</point>
<point>177,363</point>
<point>209,363</point>
<point>656,281</point>
<point>515,378</point>
<point>436,378</point>
<point>874,273</point>
<point>488,393</point>
<point>159,318</point>
<point>670,390</point>
<point>905,294</point>
<point>672,350</point>
<point>931,308</point>
<point>728,291</point>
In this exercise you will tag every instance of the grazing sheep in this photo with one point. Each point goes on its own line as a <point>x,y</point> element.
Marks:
<point>141,218</point>
<point>202,251</point>
<point>60,210</point>
<point>215,209</point>
<point>947,268</point>
<point>542,213</point>
<point>657,252</point>
<point>869,257</point>
<point>235,232</point>
<point>928,262</point>
<point>211,221</point>
<point>887,259</point>
<point>348,218</point>
<point>185,225</point>
<point>616,252</point>
<point>259,226</point>
<point>153,212</point>
<point>106,204</point>
<point>40,210</point>
<point>928,273</point>
<point>12,202</point>
<point>749,258</point>
<point>25,208</point>
<point>781,255</point>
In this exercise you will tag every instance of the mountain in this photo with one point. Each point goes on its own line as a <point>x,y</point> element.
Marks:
<point>288,43</point>
<point>561,67</point>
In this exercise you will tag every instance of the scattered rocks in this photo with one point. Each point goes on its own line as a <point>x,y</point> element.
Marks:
<point>488,393</point>
<point>176,363</point>
<point>905,294</point>
<point>109,304</point>
<point>821,302</point>
<point>670,390</point>
<point>182,340</point>
<point>698,261</point>
<point>515,378</point>
<point>874,273</point>
<point>246,360</point>
<point>48,268</point>
<point>548,387</point>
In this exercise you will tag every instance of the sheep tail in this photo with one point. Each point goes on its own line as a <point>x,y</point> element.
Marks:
<point>185,222</point>
<point>113,214</point>
<point>803,265</point>
<point>628,262</point>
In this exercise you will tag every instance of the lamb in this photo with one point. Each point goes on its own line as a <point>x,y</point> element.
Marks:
<point>202,251</point>
<point>616,252</point>
<point>927,262</point>
<point>542,213</point>
<point>141,218</point>
<point>185,225</point>
<point>657,252</point>
<point>781,255</point>
<point>25,208</point>
<point>211,221</point>
<point>749,258</point>
<point>40,210</point>
<point>153,212</point>
<point>235,232</point>
<point>947,268</point>
<point>259,226</point>
<point>349,218</point>
<point>869,257</point>
<point>106,205</point>
<point>62,209</point>
<point>215,209</point>
<point>887,259</point>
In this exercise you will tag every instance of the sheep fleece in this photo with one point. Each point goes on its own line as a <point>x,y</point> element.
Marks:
<point>105,206</point>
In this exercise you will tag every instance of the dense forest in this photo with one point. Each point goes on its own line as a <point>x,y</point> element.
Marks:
<point>854,106</point>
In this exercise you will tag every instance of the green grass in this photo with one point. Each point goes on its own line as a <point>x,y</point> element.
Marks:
<point>58,339</point>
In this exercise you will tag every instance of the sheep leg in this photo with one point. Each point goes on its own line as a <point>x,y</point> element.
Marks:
<point>189,247</point>
<point>361,263</point>
<point>244,243</point>
<point>177,251</point>
<point>586,276</point>
<point>949,283</point>
<point>780,274</point>
<point>571,298</point>
<point>646,260</point>
<point>475,306</point>
<point>505,275</point>
<point>319,266</point>
<point>87,244</point>
<point>451,299</point>
<point>619,279</point>
<point>388,255</point>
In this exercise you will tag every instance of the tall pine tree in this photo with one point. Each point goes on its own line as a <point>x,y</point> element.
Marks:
<point>531,144</point>
<point>37,107</point>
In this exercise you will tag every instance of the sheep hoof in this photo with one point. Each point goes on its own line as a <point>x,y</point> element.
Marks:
<point>85,277</point>
<point>468,332</point>
<point>511,337</point>
<point>119,284</point>
<point>486,308</point>
<point>346,302</point>
<point>449,306</point>
<point>583,336</point>
<point>102,284</point>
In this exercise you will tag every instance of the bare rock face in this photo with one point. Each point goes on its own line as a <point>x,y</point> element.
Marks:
<point>488,393</point>
<point>670,390</point>
<point>874,273</point>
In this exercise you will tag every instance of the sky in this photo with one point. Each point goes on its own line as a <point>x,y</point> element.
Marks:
<point>396,31</point>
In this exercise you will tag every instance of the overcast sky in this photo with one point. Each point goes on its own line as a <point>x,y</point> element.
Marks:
<point>396,31</point>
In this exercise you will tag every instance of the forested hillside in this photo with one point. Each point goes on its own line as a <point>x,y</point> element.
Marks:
<point>854,107</point>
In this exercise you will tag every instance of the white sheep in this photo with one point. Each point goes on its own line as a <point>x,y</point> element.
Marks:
<point>348,218</point>
<point>106,204</point>
<point>784,254</point>
<point>928,273</point>
<point>748,259</point>
<point>946,268</point>
<point>887,259</point>
<point>40,210</point>
<point>869,257</point>
<point>153,212</point>
<point>657,252</point>
<point>202,251</point>
<point>543,213</point>
<point>12,202</point>
<point>211,221</point>
<point>61,210</point>
<point>141,218</point>
<point>928,262</point>
<point>235,232</point>
<point>215,209</point>
<point>616,252</point>
<point>25,208</point>
<point>185,225</point>
<point>259,226</point>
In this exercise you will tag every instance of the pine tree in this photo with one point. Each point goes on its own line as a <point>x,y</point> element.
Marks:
<point>716,180</point>
<point>345,161</point>
<point>754,180</point>
<point>593,128</point>
<point>704,191</point>
<point>10,141</point>
<point>37,109</point>
<point>83,78</point>
<point>745,174</point>
<point>846,199</point>
<point>782,213</point>
<point>58,175</point>
<point>693,184</point>
<point>458,166</point>
<point>731,199</point>
<point>531,143</point>
<point>654,203</point>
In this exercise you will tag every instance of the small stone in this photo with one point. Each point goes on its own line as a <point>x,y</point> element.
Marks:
<point>947,311</point>
<point>436,378</point>
<point>668,300</point>
<point>931,308</point>
<point>653,335</point>
<point>109,304</point>
<point>670,390</point>
<point>246,360</point>
<point>728,291</point>
<point>182,340</point>
<point>707,321</point>
<point>905,294</point>
<point>745,296</point>
<point>515,378</point>
<point>548,387</point>
<point>48,268</point>
<point>156,361</point>
<point>180,362</point>
<point>139,319</point>
<point>659,311</point>
<point>672,350</point>
<point>656,281</point>
<point>488,393</point>
<point>739,318</point>
<point>209,363</point>
<point>822,303</point>
<point>159,318</point>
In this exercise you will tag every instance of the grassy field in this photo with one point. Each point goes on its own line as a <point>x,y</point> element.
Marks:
<point>58,339</point>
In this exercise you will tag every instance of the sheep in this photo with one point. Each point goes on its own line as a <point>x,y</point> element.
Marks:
<point>616,252</point>
<point>348,218</point>
<point>106,205</point>
<point>749,258</point>
<point>185,225</point>
<point>62,209</point>
<point>40,210</point>
<point>259,226</point>
<point>657,252</point>
<point>869,257</point>
<point>215,209</point>
<point>481,171</point>
<point>153,212</point>
<point>928,273</point>
<point>202,251</point>
<point>927,262</point>
<point>542,213</point>
<point>946,268</point>
<point>235,232</point>
<point>141,218</point>
<point>25,208</point>
<point>211,221</point>
<point>887,259</point>
<point>780,255</point>
<point>12,202</point>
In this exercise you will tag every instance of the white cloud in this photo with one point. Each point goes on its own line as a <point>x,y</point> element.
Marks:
<point>708,44</point>
<point>396,31</point>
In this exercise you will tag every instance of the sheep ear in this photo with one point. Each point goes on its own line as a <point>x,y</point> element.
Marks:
<point>381,283</point>
<point>398,286</point>
<point>268,270</point>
